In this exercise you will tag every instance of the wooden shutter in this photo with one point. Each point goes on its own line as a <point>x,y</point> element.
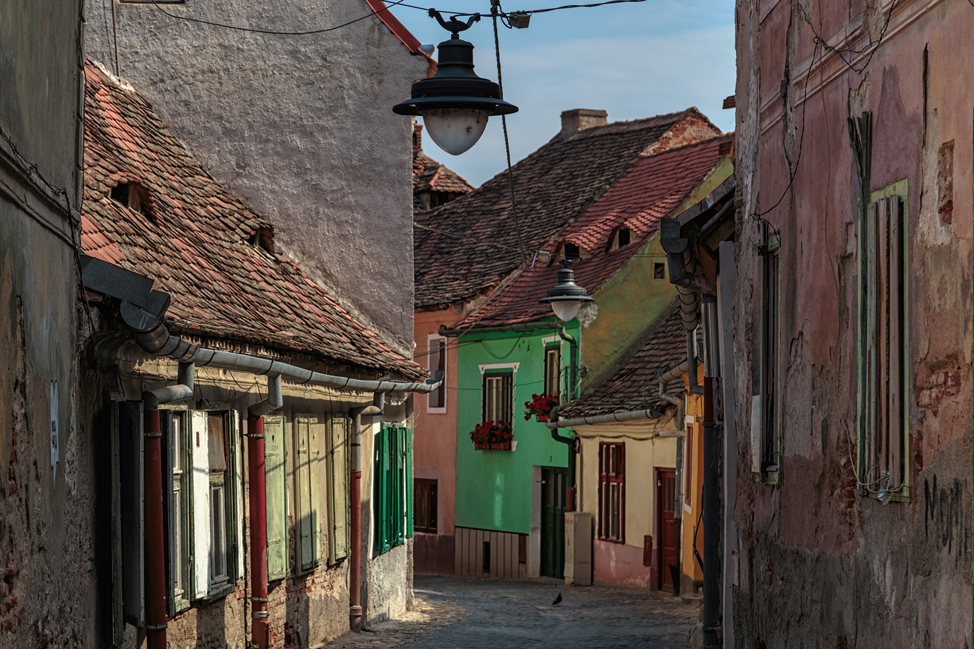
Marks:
<point>275,494</point>
<point>118,615</point>
<point>131,456</point>
<point>168,525</point>
<point>200,486</point>
<point>306,494</point>
<point>338,483</point>
<point>380,470</point>
<point>408,441</point>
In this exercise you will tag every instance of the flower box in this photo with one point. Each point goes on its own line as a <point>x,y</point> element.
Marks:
<point>492,436</point>
<point>540,406</point>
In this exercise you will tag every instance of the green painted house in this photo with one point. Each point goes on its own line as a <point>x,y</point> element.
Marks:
<point>510,504</point>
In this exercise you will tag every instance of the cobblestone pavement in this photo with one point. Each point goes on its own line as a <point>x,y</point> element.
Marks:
<point>461,613</point>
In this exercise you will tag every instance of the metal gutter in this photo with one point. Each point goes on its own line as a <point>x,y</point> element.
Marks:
<point>449,332</point>
<point>631,415</point>
<point>160,342</point>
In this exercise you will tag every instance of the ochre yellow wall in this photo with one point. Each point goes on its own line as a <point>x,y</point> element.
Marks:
<point>643,455</point>
<point>693,467</point>
<point>632,300</point>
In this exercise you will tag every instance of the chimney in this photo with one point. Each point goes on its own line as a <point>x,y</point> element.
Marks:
<point>579,119</point>
<point>417,138</point>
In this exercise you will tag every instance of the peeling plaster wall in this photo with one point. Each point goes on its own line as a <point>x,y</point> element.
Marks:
<point>817,565</point>
<point>300,127</point>
<point>47,585</point>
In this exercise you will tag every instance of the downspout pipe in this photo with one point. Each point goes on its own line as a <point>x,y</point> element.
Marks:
<point>673,373</point>
<point>711,494</point>
<point>258,510</point>
<point>155,549</point>
<point>159,342</point>
<point>355,553</point>
<point>570,443</point>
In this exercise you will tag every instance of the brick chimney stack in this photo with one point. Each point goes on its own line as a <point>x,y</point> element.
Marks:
<point>417,138</point>
<point>579,119</point>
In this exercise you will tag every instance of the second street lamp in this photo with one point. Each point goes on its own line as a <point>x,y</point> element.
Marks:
<point>455,103</point>
<point>566,297</point>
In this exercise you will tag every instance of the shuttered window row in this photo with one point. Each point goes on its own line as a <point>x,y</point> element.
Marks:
<point>203,518</point>
<point>393,485</point>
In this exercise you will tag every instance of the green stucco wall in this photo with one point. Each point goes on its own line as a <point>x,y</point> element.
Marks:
<point>494,487</point>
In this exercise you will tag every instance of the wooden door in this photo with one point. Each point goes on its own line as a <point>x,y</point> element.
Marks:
<point>666,526</point>
<point>553,484</point>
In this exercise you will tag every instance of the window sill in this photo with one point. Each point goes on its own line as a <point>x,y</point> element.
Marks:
<point>218,591</point>
<point>769,478</point>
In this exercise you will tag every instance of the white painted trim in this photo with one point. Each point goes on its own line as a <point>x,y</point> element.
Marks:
<point>552,339</point>
<point>499,366</point>
<point>688,419</point>
<point>430,338</point>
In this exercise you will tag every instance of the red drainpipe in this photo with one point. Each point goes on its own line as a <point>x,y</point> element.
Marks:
<point>261,632</point>
<point>155,548</point>
<point>355,576</point>
<point>355,552</point>
<point>155,552</point>
<point>258,532</point>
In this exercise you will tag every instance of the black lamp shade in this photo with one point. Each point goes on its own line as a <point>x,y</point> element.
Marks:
<point>566,297</point>
<point>455,103</point>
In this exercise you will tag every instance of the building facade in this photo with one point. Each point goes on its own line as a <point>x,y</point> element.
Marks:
<point>853,325</point>
<point>48,487</point>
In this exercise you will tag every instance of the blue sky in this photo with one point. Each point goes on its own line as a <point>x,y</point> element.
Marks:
<point>632,60</point>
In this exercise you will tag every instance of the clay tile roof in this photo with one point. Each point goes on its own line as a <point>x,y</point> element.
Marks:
<point>652,188</point>
<point>191,236</point>
<point>432,176</point>
<point>473,245</point>
<point>633,383</point>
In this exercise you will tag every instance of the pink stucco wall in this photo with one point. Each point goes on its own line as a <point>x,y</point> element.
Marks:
<point>435,448</point>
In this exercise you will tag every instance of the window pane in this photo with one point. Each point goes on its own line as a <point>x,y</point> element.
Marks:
<point>177,514</point>
<point>216,440</point>
<point>218,554</point>
<point>177,443</point>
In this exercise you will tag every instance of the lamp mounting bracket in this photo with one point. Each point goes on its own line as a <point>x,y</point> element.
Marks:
<point>453,24</point>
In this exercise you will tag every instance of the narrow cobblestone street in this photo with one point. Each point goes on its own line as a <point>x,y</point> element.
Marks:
<point>461,613</point>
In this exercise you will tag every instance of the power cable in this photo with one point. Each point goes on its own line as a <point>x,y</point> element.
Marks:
<point>507,15</point>
<point>818,40</point>
<point>273,32</point>
<point>495,7</point>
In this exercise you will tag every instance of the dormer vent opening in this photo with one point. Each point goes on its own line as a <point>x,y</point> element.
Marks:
<point>132,196</point>
<point>263,239</point>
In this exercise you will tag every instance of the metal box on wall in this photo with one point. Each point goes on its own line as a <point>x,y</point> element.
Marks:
<point>578,549</point>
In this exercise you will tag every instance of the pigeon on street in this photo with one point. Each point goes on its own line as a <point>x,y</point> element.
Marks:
<point>557,600</point>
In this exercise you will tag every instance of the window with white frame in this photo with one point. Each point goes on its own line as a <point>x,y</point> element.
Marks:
<point>498,395</point>
<point>552,369</point>
<point>436,401</point>
<point>217,448</point>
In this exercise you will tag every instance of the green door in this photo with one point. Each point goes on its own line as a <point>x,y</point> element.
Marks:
<point>553,483</point>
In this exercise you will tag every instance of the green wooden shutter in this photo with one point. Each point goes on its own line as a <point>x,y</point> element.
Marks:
<point>169,527</point>
<point>380,467</point>
<point>306,494</point>
<point>275,495</point>
<point>408,436</point>
<point>338,483</point>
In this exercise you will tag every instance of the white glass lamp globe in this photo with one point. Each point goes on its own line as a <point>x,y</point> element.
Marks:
<point>455,130</point>
<point>566,310</point>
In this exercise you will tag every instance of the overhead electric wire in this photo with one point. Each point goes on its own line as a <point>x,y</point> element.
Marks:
<point>273,32</point>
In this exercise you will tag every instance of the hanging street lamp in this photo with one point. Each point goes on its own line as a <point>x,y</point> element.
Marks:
<point>566,297</point>
<point>455,103</point>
